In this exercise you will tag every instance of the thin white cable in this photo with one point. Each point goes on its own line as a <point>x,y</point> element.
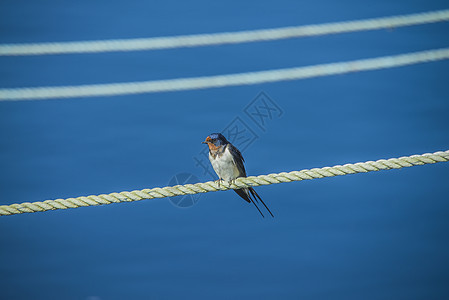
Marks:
<point>181,84</point>
<point>222,38</point>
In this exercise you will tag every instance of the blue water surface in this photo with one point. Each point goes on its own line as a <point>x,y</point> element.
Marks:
<point>381,235</point>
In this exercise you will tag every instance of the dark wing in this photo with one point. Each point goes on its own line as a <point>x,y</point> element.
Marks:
<point>238,159</point>
<point>246,193</point>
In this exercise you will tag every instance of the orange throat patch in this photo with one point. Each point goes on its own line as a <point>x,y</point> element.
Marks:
<point>212,147</point>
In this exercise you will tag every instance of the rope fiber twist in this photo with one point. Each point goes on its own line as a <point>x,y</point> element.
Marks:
<point>211,186</point>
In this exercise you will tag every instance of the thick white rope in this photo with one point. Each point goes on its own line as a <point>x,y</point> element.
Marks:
<point>182,84</point>
<point>222,38</point>
<point>211,186</point>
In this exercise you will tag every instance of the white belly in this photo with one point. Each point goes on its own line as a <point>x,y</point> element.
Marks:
<point>224,166</point>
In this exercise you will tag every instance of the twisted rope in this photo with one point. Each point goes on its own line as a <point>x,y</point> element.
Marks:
<point>211,186</point>
<point>182,84</point>
<point>222,38</point>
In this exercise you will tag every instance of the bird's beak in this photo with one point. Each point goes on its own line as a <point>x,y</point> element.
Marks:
<point>207,141</point>
<point>204,142</point>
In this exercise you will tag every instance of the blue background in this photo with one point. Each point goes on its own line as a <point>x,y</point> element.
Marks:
<point>368,236</point>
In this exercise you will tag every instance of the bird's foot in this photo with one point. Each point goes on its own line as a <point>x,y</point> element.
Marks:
<point>218,182</point>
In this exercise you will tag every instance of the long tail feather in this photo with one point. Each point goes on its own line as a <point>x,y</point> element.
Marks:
<point>246,195</point>
<point>258,209</point>
<point>253,192</point>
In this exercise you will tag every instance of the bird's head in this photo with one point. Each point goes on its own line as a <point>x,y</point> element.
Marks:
<point>215,141</point>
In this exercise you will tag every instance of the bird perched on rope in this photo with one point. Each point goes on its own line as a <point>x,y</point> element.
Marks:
<point>227,162</point>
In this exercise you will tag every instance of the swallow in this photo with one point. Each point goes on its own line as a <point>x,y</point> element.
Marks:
<point>227,162</point>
